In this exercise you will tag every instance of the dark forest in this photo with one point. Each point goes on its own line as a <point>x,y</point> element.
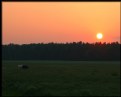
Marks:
<point>75,51</point>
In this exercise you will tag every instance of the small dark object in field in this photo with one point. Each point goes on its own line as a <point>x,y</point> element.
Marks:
<point>23,66</point>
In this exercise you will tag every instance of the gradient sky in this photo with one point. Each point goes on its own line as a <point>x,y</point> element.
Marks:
<point>36,22</point>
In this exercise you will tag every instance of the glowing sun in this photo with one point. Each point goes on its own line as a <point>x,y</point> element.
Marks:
<point>99,35</point>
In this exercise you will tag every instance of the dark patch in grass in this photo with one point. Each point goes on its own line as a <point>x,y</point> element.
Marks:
<point>86,93</point>
<point>114,74</point>
<point>33,91</point>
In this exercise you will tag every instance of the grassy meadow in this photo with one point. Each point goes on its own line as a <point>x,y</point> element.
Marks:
<point>61,78</point>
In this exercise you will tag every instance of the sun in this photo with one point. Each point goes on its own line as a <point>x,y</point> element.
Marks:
<point>99,35</point>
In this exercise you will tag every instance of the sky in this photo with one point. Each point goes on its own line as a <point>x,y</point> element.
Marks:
<point>61,22</point>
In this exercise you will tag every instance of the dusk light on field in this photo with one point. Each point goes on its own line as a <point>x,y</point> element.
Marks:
<point>61,49</point>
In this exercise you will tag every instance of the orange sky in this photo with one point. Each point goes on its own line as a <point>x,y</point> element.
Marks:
<point>36,22</point>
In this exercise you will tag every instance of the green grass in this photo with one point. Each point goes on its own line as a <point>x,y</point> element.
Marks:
<point>61,78</point>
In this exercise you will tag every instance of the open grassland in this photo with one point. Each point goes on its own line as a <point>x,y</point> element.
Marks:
<point>61,78</point>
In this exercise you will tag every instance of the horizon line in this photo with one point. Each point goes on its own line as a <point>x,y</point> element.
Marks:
<point>62,43</point>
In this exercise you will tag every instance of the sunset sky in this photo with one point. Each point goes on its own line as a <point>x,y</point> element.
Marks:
<point>36,22</point>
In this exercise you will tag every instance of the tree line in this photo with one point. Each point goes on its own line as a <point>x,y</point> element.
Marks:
<point>77,51</point>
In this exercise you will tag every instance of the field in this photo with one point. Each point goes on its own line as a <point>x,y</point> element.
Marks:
<point>61,78</point>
